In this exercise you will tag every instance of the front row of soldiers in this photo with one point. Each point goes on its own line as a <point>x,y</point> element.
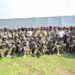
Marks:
<point>36,43</point>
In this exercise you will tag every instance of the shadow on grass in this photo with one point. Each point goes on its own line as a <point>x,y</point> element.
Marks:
<point>69,55</point>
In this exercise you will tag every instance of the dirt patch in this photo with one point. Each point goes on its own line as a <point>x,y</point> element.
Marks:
<point>15,64</point>
<point>2,65</point>
<point>8,64</point>
<point>61,71</point>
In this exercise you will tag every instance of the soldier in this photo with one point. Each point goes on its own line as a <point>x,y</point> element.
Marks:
<point>19,47</point>
<point>11,48</point>
<point>7,47</point>
<point>40,44</point>
<point>1,48</point>
<point>59,46</point>
<point>25,44</point>
<point>72,45</point>
<point>3,38</point>
<point>26,47</point>
<point>33,47</point>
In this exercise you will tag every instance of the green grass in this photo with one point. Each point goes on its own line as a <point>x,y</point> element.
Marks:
<point>45,65</point>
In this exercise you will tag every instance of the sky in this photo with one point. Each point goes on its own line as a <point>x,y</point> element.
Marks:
<point>36,8</point>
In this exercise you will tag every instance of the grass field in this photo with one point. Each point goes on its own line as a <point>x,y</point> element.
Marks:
<point>45,65</point>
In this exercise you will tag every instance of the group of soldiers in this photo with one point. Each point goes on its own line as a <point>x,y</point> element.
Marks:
<point>36,42</point>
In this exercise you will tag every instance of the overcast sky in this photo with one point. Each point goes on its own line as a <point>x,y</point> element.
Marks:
<point>36,8</point>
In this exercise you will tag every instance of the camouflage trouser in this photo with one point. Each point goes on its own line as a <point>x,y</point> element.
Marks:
<point>10,51</point>
<point>39,51</point>
<point>72,48</point>
<point>34,51</point>
<point>1,53</point>
<point>64,48</point>
<point>50,49</point>
<point>57,48</point>
<point>5,52</point>
<point>44,49</point>
<point>26,50</point>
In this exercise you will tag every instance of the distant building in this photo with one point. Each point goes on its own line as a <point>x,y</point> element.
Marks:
<point>38,22</point>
